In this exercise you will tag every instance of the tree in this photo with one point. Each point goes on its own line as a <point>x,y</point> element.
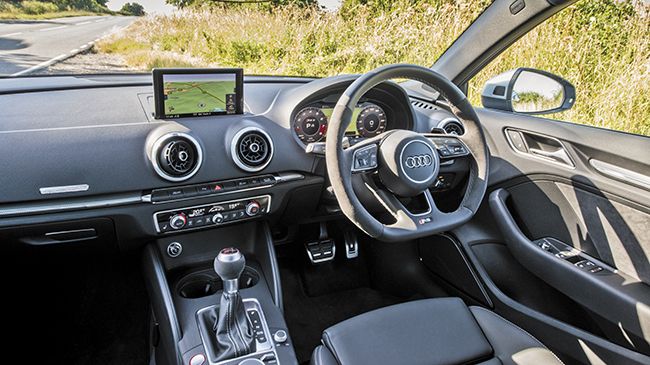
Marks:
<point>132,9</point>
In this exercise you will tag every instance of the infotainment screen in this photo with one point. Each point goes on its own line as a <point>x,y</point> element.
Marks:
<point>198,92</point>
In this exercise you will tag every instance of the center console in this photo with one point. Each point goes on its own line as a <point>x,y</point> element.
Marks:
<point>198,311</point>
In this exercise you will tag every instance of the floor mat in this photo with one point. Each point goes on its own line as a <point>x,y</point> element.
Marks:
<point>307,317</point>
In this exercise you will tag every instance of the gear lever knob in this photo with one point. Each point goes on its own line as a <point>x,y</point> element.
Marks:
<point>229,264</point>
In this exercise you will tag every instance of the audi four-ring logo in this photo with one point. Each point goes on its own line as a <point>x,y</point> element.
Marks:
<point>414,162</point>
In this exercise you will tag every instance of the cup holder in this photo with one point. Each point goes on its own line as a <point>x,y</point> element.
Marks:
<point>207,282</point>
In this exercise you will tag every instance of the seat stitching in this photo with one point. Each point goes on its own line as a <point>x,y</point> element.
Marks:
<point>521,329</point>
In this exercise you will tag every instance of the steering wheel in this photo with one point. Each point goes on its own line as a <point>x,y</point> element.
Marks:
<point>407,162</point>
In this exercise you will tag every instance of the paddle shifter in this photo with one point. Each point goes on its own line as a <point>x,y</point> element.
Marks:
<point>232,329</point>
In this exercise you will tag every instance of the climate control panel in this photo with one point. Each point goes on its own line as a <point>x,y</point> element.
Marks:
<point>211,215</point>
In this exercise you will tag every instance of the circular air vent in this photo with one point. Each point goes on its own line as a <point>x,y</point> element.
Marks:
<point>252,149</point>
<point>176,156</point>
<point>452,126</point>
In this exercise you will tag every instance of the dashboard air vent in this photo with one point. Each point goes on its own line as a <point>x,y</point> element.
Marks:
<point>252,149</point>
<point>452,126</point>
<point>422,105</point>
<point>176,156</point>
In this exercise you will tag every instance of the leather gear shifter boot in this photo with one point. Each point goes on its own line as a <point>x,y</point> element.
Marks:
<point>234,334</point>
<point>233,331</point>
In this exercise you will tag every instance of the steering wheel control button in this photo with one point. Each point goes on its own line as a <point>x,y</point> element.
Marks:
<point>280,336</point>
<point>365,159</point>
<point>449,148</point>
<point>174,249</point>
<point>209,215</point>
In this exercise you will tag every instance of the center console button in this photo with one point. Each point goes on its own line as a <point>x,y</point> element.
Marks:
<point>189,192</point>
<point>204,189</point>
<point>176,193</point>
<point>251,362</point>
<point>197,359</point>
<point>280,336</point>
<point>159,195</point>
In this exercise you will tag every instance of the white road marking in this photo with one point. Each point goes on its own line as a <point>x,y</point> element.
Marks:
<point>83,46</point>
<point>82,23</point>
<point>75,50</point>
<point>11,34</point>
<point>46,29</point>
<point>40,65</point>
<point>100,20</point>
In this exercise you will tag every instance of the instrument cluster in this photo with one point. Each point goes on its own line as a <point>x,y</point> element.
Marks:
<point>310,123</point>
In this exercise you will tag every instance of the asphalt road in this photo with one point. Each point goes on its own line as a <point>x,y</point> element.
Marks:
<point>28,45</point>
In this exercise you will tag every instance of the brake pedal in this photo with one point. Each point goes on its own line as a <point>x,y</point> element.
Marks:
<point>322,250</point>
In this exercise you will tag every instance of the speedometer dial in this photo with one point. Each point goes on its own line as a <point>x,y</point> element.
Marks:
<point>310,125</point>
<point>371,121</point>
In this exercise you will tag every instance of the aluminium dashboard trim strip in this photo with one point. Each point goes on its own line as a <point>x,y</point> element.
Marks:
<point>15,210</point>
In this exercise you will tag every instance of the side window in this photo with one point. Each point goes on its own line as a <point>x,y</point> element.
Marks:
<point>602,47</point>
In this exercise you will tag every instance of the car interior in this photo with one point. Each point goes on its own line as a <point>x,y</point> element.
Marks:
<point>353,219</point>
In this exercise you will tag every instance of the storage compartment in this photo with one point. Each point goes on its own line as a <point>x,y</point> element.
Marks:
<point>71,239</point>
<point>206,282</point>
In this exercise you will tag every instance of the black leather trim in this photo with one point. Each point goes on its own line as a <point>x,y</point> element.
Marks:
<point>322,356</point>
<point>432,331</point>
<point>512,345</point>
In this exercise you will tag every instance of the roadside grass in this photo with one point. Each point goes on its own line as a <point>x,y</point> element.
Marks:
<point>601,46</point>
<point>36,10</point>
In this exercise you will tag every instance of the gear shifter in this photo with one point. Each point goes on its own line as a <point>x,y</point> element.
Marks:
<point>232,328</point>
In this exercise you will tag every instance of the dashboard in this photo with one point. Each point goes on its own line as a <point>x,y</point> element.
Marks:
<point>93,149</point>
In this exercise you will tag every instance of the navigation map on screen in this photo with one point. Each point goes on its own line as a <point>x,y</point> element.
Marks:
<point>199,94</point>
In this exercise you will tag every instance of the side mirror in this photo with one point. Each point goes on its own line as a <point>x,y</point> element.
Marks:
<point>528,91</point>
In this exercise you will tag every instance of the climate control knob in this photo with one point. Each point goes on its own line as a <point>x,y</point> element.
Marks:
<point>217,218</point>
<point>177,221</point>
<point>252,209</point>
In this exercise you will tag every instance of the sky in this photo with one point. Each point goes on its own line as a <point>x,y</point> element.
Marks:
<point>160,7</point>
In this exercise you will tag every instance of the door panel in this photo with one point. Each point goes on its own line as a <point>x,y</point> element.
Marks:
<point>553,189</point>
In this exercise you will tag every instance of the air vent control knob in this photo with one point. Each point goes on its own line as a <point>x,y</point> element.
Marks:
<point>252,209</point>
<point>177,221</point>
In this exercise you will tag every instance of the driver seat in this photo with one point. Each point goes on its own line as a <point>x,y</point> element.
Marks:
<point>432,331</point>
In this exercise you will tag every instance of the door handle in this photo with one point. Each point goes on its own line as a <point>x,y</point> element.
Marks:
<point>558,155</point>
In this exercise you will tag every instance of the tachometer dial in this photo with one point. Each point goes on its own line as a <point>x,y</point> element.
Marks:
<point>371,121</point>
<point>310,125</point>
